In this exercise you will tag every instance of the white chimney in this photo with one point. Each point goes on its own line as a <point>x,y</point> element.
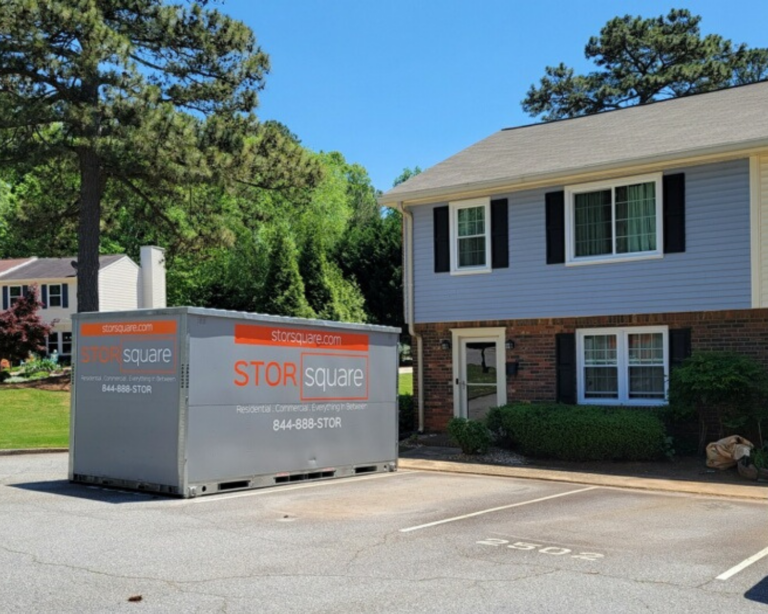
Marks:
<point>152,277</point>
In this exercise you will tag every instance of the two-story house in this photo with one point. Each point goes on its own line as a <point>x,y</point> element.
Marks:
<point>579,260</point>
<point>123,285</point>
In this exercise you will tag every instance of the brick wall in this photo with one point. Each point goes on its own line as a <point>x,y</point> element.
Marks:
<point>744,331</point>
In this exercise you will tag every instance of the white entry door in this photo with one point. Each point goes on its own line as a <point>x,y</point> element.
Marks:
<point>479,382</point>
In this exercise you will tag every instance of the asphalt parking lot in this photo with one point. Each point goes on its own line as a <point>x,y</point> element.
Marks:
<point>408,541</point>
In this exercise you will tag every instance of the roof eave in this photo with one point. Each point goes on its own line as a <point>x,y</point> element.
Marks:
<point>702,155</point>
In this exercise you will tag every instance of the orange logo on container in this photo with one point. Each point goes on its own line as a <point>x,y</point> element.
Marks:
<point>339,372</point>
<point>251,334</point>
<point>145,346</point>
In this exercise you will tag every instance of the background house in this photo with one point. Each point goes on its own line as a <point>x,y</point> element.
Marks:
<point>579,260</point>
<point>122,285</point>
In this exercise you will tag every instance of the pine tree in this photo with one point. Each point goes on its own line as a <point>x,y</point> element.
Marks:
<point>284,288</point>
<point>147,94</point>
<point>642,60</point>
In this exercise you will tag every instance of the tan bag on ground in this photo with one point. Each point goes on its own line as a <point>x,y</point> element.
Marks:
<point>724,453</point>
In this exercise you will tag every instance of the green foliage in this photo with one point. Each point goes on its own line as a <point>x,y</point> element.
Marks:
<point>406,414</point>
<point>730,386</point>
<point>642,60</point>
<point>371,254</point>
<point>38,365</point>
<point>717,377</point>
<point>150,95</point>
<point>284,288</point>
<point>472,436</point>
<point>759,457</point>
<point>406,175</point>
<point>581,432</point>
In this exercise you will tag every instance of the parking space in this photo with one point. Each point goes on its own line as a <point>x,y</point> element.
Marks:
<point>400,542</point>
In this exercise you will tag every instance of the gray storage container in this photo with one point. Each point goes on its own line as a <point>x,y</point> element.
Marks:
<point>188,401</point>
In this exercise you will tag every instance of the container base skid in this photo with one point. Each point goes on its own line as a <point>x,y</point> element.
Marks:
<point>246,483</point>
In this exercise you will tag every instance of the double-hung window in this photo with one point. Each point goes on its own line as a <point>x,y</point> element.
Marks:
<point>615,220</point>
<point>626,366</point>
<point>470,236</point>
<point>54,295</point>
<point>14,294</point>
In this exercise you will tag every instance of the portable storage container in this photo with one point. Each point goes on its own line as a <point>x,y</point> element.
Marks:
<point>188,401</point>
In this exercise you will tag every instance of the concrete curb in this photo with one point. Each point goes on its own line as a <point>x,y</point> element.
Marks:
<point>755,491</point>
<point>32,451</point>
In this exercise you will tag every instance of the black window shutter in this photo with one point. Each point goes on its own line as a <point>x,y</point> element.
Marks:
<point>499,234</point>
<point>679,346</point>
<point>555,227</point>
<point>565,360</point>
<point>65,295</point>
<point>44,295</point>
<point>5,298</point>
<point>674,213</point>
<point>442,238</point>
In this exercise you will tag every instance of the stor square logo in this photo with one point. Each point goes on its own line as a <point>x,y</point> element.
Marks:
<point>333,377</point>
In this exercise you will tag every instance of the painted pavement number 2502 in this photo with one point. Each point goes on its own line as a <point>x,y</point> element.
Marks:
<point>542,549</point>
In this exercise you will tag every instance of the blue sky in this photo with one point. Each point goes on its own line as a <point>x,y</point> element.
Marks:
<point>402,83</point>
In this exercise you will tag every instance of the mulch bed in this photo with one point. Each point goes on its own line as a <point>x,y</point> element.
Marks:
<point>687,468</point>
<point>59,383</point>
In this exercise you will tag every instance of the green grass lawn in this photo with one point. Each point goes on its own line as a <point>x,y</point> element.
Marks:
<point>405,383</point>
<point>32,418</point>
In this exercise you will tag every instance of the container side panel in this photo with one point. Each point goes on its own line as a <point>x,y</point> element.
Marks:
<point>126,411</point>
<point>266,398</point>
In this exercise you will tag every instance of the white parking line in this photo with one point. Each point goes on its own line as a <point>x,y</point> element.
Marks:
<point>496,509</point>
<point>743,565</point>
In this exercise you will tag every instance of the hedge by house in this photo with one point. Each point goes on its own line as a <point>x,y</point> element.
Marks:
<point>580,432</point>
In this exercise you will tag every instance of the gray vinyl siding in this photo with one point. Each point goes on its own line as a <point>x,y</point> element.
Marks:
<point>712,274</point>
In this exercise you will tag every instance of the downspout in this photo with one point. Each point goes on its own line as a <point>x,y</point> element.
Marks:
<point>409,307</point>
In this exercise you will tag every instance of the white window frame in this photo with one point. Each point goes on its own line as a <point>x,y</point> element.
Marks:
<point>570,225</point>
<point>455,207</point>
<point>622,357</point>
<point>12,299</point>
<point>60,295</point>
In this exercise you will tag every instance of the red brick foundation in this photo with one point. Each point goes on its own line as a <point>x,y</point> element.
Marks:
<point>744,331</point>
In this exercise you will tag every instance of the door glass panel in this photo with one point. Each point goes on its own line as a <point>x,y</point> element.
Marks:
<point>481,378</point>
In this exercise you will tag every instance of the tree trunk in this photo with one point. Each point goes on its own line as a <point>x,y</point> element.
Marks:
<point>88,231</point>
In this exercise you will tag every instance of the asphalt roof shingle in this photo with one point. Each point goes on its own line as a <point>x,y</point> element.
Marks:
<point>724,120</point>
<point>51,268</point>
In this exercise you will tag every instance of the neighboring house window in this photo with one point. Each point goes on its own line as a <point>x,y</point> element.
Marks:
<point>14,294</point>
<point>625,366</point>
<point>53,343</point>
<point>616,220</point>
<point>470,236</point>
<point>66,344</point>
<point>54,295</point>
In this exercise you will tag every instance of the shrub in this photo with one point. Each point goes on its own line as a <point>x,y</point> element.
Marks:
<point>38,365</point>
<point>472,436</point>
<point>582,432</point>
<point>22,330</point>
<point>730,387</point>
<point>405,414</point>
